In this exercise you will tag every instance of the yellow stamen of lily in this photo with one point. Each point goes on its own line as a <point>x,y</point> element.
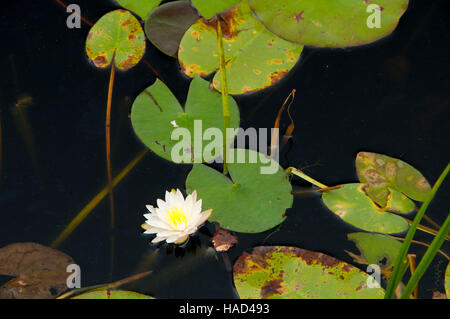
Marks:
<point>177,217</point>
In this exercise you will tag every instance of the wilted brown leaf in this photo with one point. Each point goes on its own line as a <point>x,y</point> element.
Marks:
<point>39,271</point>
<point>223,240</point>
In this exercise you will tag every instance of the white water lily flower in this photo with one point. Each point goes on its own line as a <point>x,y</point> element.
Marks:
<point>175,218</point>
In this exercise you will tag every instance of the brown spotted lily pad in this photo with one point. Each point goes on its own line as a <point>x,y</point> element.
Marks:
<point>382,173</point>
<point>39,271</point>
<point>254,57</point>
<point>291,273</point>
<point>119,35</point>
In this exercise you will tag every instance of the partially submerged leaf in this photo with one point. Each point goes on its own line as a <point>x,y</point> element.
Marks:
<point>291,273</point>
<point>156,113</point>
<point>329,23</point>
<point>249,202</point>
<point>381,171</point>
<point>141,7</point>
<point>224,240</point>
<point>352,205</point>
<point>117,34</point>
<point>398,203</point>
<point>112,294</point>
<point>375,249</point>
<point>39,271</point>
<point>255,58</point>
<point>209,9</point>
<point>167,24</point>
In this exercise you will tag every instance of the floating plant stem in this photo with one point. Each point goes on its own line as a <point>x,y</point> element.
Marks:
<point>225,101</point>
<point>396,275</point>
<point>113,285</point>
<point>95,201</point>
<point>299,173</point>
<point>421,243</point>
<point>274,145</point>
<point>427,258</point>
<point>426,229</point>
<point>108,142</point>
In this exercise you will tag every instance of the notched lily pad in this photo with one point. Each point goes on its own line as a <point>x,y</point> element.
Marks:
<point>39,271</point>
<point>254,57</point>
<point>167,24</point>
<point>117,34</point>
<point>249,202</point>
<point>381,172</point>
<point>156,113</point>
<point>351,204</point>
<point>291,273</point>
<point>112,294</point>
<point>141,7</point>
<point>375,249</point>
<point>330,23</point>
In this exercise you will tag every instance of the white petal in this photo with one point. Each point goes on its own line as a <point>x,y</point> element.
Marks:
<point>182,239</point>
<point>179,196</point>
<point>154,230</point>
<point>174,238</point>
<point>158,239</point>
<point>156,222</point>
<point>150,208</point>
<point>204,216</point>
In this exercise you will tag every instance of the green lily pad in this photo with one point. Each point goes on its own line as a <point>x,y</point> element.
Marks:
<point>255,58</point>
<point>249,202</point>
<point>375,249</point>
<point>293,273</point>
<point>329,23</point>
<point>167,24</point>
<point>398,203</point>
<point>381,172</point>
<point>141,7</point>
<point>209,9</point>
<point>156,113</point>
<point>352,205</point>
<point>117,34</point>
<point>447,281</point>
<point>112,294</point>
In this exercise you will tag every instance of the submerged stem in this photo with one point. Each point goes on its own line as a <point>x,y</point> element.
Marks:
<point>224,86</point>
<point>108,143</point>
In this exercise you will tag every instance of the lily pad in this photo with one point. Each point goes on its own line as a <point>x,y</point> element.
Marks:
<point>375,249</point>
<point>141,7</point>
<point>352,205</point>
<point>39,271</point>
<point>398,203</point>
<point>209,9</point>
<point>329,23</point>
<point>167,24</point>
<point>293,273</point>
<point>381,172</point>
<point>156,113</point>
<point>254,57</point>
<point>249,202</point>
<point>117,34</point>
<point>112,294</point>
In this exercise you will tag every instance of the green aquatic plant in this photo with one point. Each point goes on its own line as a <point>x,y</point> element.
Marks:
<point>250,45</point>
<point>117,39</point>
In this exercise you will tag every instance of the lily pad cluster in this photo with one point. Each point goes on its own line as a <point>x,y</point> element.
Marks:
<point>386,188</point>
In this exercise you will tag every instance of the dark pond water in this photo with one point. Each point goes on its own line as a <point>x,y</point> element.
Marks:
<point>391,97</point>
